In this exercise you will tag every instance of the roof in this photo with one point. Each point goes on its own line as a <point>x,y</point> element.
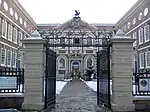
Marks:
<point>130,11</point>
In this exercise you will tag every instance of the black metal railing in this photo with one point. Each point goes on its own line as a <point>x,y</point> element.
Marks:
<point>141,84</point>
<point>11,80</point>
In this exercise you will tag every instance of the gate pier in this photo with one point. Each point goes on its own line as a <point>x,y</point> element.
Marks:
<point>121,65</point>
<point>34,74</point>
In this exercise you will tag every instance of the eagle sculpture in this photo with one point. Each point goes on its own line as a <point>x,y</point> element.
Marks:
<point>77,13</point>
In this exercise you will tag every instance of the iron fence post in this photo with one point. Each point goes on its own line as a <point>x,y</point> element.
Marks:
<point>46,74</point>
<point>109,91</point>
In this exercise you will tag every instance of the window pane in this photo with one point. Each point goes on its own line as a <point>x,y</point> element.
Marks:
<point>146,33</point>
<point>148,58</point>
<point>10,29</point>
<point>9,58</point>
<point>15,35</point>
<point>141,36</point>
<point>14,59</point>
<point>141,56</point>
<point>3,56</point>
<point>4,29</point>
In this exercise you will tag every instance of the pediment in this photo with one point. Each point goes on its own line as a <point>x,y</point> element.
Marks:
<point>76,24</point>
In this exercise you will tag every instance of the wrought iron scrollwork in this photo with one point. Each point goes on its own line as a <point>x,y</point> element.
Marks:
<point>79,32</point>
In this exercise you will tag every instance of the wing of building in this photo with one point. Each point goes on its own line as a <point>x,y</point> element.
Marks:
<point>15,25</point>
<point>136,23</point>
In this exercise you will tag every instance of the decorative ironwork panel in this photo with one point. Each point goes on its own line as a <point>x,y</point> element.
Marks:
<point>103,78</point>
<point>50,81</point>
<point>11,80</point>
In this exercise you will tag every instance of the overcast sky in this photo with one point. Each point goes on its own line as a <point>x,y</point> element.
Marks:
<point>92,11</point>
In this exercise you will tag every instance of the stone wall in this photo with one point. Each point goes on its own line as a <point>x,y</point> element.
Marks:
<point>142,105</point>
<point>11,102</point>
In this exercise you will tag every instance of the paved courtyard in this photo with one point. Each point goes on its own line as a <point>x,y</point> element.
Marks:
<point>76,96</point>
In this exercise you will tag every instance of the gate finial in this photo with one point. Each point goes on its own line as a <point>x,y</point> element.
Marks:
<point>77,13</point>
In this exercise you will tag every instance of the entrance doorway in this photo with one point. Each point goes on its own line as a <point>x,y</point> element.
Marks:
<point>75,65</point>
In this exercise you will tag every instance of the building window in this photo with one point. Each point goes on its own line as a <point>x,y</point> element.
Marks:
<point>9,58</point>
<point>141,58</point>
<point>19,61</point>
<point>20,38</point>
<point>10,31</point>
<point>3,57</point>
<point>14,59</point>
<point>15,35</point>
<point>4,29</point>
<point>134,36</point>
<point>147,57</point>
<point>146,33</point>
<point>141,36</point>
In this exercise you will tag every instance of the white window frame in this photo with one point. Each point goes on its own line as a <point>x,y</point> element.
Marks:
<point>14,58</point>
<point>10,32</point>
<point>134,36</point>
<point>10,58</point>
<point>146,40</point>
<point>141,29</point>
<point>20,38</point>
<point>3,64</point>
<point>15,34</point>
<point>4,28</point>
<point>140,57</point>
<point>146,61</point>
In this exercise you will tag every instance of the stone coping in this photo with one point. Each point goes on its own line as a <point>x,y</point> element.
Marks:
<point>141,97</point>
<point>11,94</point>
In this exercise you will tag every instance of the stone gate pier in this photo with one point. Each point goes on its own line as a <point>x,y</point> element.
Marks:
<point>34,73</point>
<point>121,65</point>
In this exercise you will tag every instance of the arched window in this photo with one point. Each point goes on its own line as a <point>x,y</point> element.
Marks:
<point>89,62</point>
<point>61,63</point>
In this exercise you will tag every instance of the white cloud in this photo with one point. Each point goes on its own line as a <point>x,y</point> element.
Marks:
<point>92,11</point>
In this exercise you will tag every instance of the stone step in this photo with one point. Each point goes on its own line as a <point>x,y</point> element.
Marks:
<point>8,110</point>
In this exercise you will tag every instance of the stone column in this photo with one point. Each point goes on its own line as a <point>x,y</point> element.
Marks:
<point>121,63</point>
<point>34,74</point>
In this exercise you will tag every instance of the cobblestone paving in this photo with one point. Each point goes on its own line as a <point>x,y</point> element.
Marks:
<point>76,97</point>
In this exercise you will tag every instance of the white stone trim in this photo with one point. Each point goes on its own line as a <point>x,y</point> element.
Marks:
<point>8,45</point>
<point>14,23</point>
<point>138,26</point>
<point>12,95</point>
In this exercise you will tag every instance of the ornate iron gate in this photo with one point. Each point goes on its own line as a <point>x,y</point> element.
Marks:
<point>78,34</point>
<point>103,78</point>
<point>50,78</point>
